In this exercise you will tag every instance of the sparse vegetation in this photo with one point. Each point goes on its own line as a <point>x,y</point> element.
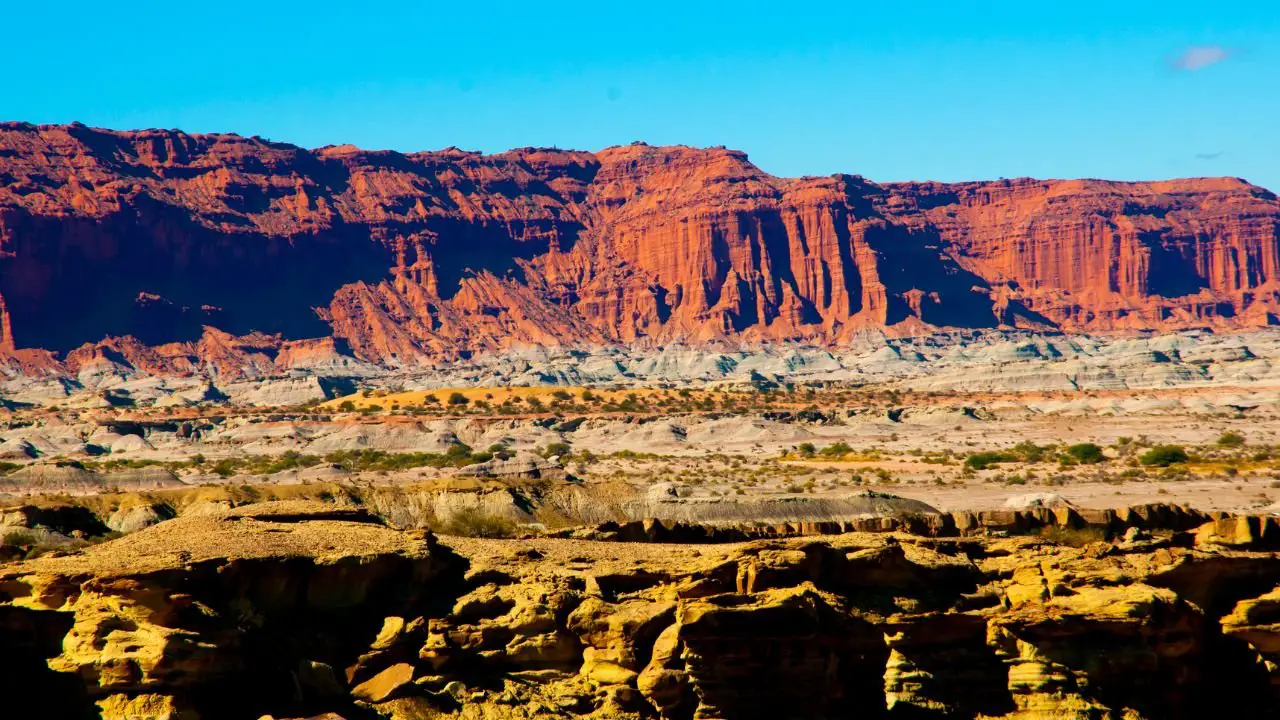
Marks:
<point>1085,453</point>
<point>836,450</point>
<point>472,522</point>
<point>984,460</point>
<point>1231,439</point>
<point>1164,456</point>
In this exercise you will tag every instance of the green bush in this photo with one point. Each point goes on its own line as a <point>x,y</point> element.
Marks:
<point>226,467</point>
<point>1163,456</point>
<point>554,449</point>
<point>984,460</point>
<point>1231,439</point>
<point>457,398</point>
<point>837,450</point>
<point>1029,451</point>
<point>461,450</point>
<point>1086,453</point>
<point>806,449</point>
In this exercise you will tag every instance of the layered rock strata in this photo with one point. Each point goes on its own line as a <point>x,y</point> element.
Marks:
<point>240,255</point>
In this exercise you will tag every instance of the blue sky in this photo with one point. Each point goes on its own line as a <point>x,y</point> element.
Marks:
<point>894,91</point>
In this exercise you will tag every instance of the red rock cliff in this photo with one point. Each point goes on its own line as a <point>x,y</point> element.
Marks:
<point>186,242</point>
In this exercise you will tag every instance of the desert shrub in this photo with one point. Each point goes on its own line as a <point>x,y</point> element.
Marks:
<point>984,460</point>
<point>1174,474</point>
<point>1163,456</point>
<point>807,449</point>
<point>379,461</point>
<point>562,395</point>
<point>458,451</point>
<point>1085,453</point>
<point>457,398</point>
<point>1230,439</point>
<point>633,455</point>
<point>838,449</point>
<point>227,467</point>
<point>473,522</point>
<point>1029,451</point>
<point>556,449</point>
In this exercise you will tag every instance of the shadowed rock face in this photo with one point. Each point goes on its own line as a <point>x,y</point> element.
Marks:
<point>159,234</point>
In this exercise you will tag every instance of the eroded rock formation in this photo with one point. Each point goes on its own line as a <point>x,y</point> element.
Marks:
<point>300,609</point>
<point>239,254</point>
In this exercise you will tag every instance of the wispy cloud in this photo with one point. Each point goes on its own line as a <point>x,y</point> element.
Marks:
<point>1199,57</point>
<point>1209,155</point>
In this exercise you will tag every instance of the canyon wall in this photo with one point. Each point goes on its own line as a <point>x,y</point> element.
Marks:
<point>176,252</point>
<point>305,610</point>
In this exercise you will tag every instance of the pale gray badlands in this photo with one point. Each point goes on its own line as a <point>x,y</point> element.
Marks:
<point>772,434</point>
<point>955,362</point>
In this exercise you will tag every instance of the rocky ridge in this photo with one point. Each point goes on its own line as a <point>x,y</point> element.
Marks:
<point>300,609</point>
<point>241,256</point>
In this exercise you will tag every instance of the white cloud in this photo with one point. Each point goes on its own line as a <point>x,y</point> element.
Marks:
<point>1199,57</point>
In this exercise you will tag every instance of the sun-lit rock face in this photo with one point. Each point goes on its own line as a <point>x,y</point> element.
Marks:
<point>230,252</point>
<point>304,609</point>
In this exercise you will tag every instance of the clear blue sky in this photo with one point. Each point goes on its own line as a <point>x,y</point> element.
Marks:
<point>1125,89</point>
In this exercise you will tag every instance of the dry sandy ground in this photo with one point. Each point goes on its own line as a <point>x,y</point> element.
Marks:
<point>728,454</point>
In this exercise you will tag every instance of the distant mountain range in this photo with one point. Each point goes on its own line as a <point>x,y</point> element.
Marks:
<point>178,253</point>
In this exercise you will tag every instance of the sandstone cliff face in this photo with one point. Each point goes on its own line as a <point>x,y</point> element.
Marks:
<point>293,610</point>
<point>216,250</point>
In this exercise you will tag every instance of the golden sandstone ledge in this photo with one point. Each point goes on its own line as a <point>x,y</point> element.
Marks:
<point>303,610</point>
